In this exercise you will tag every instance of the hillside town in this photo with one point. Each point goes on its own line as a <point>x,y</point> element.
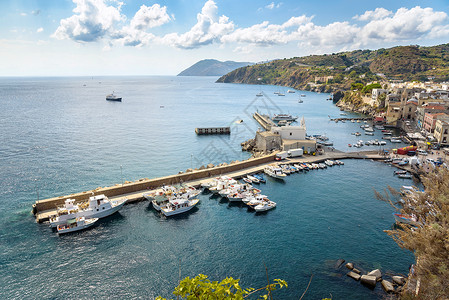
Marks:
<point>420,109</point>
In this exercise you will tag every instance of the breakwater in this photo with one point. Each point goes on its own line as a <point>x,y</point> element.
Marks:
<point>42,209</point>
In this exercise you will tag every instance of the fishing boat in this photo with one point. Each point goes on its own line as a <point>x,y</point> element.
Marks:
<point>259,94</point>
<point>300,101</point>
<point>274,172</point>
<point>264,206</point>
<point>253,179</point>
<point>407,219</point>
<point>291,91</point>
<point>400,172</point>
<point>75,224</point>
<point>97,207</point>
<point>112,97</point>
<point>178,206</point>
<point>260,177</point>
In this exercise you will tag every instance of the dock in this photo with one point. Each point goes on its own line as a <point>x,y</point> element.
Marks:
<point>213,130</point>
<point>134,191</point>
<point>264,121</point>
<point>350,119</point>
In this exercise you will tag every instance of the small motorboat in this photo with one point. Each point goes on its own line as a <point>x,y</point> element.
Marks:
<point>264,206</point>
<point>75,225</point>
<point>253,179</point>
<point>260,177</point>
<point>400,172</point>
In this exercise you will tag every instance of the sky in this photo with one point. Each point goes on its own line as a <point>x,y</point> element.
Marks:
<point>142,37</point>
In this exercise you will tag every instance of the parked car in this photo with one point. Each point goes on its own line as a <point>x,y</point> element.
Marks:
<point>422,152</point>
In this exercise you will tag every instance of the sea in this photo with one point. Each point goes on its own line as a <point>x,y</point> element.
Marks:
<point>60,136</point>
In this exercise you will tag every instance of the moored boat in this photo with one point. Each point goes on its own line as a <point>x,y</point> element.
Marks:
<point>264,206</point>
<point>274,172</point>
<point>97,207</point>
<point>75,224</point>
<point>178,206</point>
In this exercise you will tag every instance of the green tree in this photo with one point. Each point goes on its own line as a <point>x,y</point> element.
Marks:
<point>200,287</point>
<point>356,86</point>
<point>429,239</point>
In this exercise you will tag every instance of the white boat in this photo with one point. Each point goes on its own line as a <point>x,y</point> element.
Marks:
<point>112,97</point>
<point>395,140</point>
<point>369,129</point>
<point>291,91</point>
<point>281,94</point>
<point>97,207</point>
<point>264,206</point>
<point>159,201</point>
<point>75,225</point>
<point>254,200</point>
<point>300,101</point>
<point>253,179</point>
<point>259,94</point>
<point>369,133</point>
<point>285,117</point>
<point>178,206</point>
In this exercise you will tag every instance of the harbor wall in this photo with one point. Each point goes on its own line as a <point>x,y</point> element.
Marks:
<point>149,184</point>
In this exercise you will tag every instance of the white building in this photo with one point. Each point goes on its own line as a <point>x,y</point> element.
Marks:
<point>291,132</point>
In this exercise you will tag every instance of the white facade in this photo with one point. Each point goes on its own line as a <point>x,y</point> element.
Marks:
<point>290,132</point>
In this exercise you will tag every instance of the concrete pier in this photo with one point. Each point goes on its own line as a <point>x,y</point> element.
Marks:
<point>264,121</point>
<point>134,191</point>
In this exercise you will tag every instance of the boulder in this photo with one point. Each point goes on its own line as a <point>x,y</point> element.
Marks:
<point>353,275</point>
<point>202,167</point>
<point>368,280</point>
<point>339,263</point>
<point>189,170</point>
<point>356,271</point>
<point>210,166</point>
<point>388,286</point>
<point>376,273</point>
<point>398,280</point>
<point>350,266</point>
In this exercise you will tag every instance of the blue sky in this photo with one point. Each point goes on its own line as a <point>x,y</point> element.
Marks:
<point>142,37</point>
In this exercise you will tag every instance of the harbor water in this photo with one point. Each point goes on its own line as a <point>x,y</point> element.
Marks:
<point>60,136</point>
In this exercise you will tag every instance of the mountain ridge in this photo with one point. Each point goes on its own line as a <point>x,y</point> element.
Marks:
<point>212,67</point>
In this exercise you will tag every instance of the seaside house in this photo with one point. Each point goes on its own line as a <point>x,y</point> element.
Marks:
<point>441,133</point>
<point>375,93</point>
<point>430,120</point>
<point>421,110</point>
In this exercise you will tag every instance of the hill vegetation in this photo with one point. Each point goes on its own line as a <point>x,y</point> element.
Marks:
<point>212,67</point>
<point>338,71</point>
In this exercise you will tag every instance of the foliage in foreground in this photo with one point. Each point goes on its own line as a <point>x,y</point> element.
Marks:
<point>200,287</point>
<point>429,240</point>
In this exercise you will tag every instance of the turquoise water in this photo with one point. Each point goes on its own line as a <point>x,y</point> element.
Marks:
<point>59,137</point>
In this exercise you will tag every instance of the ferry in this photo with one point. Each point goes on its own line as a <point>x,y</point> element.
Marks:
<point>112,97</point>
<point>284,117</point>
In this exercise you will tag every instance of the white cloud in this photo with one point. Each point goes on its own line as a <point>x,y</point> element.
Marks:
<point>272,5</point>
<point>265,34</point>
<point>209,28</point>
<point>378,13</point>
<point>149,17</point>
<point>93,20</point>
<point>405,24</point>
<point>145,18</point>
<point>40,30</point>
